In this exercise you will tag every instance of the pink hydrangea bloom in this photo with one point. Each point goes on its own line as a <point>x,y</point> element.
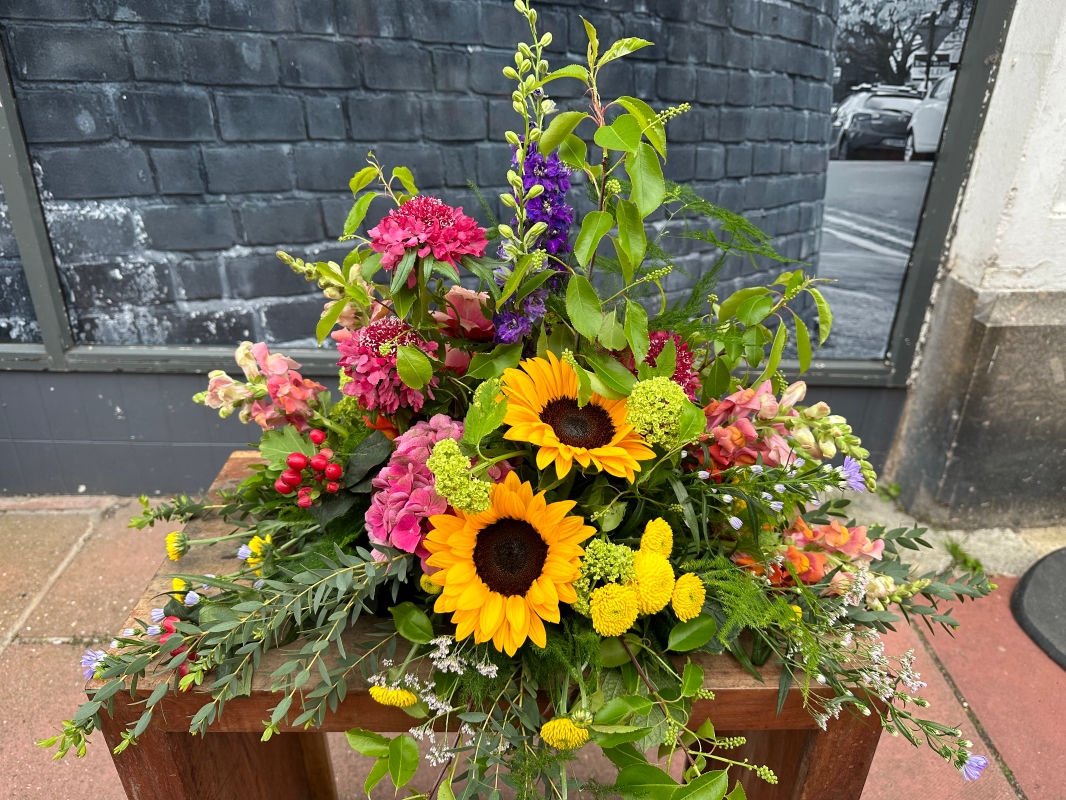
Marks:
<point>368,357</point>
<point>431,226</point>
<point>405,498</point>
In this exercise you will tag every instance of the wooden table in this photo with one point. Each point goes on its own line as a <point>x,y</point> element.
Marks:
<point>231,763</point>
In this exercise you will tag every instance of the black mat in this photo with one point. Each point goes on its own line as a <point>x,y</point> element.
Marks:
<point>1039,604</point>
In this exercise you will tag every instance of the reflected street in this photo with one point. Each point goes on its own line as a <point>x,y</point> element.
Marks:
<point>871,214</point>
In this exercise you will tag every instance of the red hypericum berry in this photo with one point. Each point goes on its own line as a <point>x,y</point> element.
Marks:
<point>325,451</point>
<point>168,624</point>
<point>333,486</point>
<point>292,477</point>
<point>333,471</point>
<point>297,461</point>
<point>318,436</point>
<point>319,477</point>
<point>304,501</point>
<point>282,487</point>
<point>319,462</point>
<point>305,490</point>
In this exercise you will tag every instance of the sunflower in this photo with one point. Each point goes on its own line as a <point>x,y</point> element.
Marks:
<point>505,570</point>
<point>542,409</point>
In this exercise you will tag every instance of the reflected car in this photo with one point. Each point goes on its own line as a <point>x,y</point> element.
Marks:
<point>873,119</point>
<point>927,121</point>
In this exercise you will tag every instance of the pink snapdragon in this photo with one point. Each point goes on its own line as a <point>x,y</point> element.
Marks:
<point>852,543</point>
<point>368,357</point>
<point>225,394</point>
<point>429,226</point>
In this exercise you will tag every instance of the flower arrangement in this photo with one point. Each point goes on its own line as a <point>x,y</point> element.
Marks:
<point>555,493</point>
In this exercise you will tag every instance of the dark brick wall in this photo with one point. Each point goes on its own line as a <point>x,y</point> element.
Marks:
<point>178,144</point>
<point>18,323</point>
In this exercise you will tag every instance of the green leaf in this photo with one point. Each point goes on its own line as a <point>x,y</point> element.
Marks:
<point>694,633</point>
<point>803,344</point>
<point>594,43</point>
<point>485,414</point>
<point>533,283</point>
<point>636,330</point>
<point>561,126</point>
<point>693,422</point>
<point>513,279</point>
<point>573,152</point>
<point>708,786</point>
<point>611,334</point>
<point>623,47</point>
<point>666,361</point>
<point>278,444</point>
<point>561,338</point>
<point>445,791</point>
<point>754,310</point>
<point>614,711</point>
<point>646,173</point>
<point>718,383</point>
<point>583,306</point>
<point>403,270</point>
<point>367,743</point>
<point>623,261</point>
<point>737,793</point>
<point>594,227</point>
<point>377,772</point>
<point>612,373</point>
<point>329,319</point>
<point>612,653</point>
<point>403,760</point>
<point>569,71</point>
<point>691,680</point>
<point>358,213</point>
<point>370,452</point>
<point>613,735</point>
<point>406,178</point>
<point>493,363</point>
<point>631,233</point>
<point>825,316</point>
<point>624,755</point>
<point>413,366</point>
<point>729,306</point>
<point>370,267</point>
<point>584,386</point>
<point>362,179</point>
<point>622,134</point>
<point>776,349</point>
<point>412,623</point>
<point>642,781</point>
<point>649,122</point>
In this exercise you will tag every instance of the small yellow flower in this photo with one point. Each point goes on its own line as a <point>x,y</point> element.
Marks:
<point>177,545</point>
<point>400,698</point>
<point>180,587</point>
<point>428,586</point>
<point>689,594</point>
<point>614,609</point>
<point>562,734</point>
<point>798,612</point>
<point>655,581</point>
<point>658,537</point>
<point>258,545</point>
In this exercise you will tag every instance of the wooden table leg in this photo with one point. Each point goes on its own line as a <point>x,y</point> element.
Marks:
<point>780,750</point>
<point>166,765</point>
<point>838,760</point>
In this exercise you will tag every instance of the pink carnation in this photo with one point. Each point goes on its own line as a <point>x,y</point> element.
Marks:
<point>368,357</point>
<point>431,226</point>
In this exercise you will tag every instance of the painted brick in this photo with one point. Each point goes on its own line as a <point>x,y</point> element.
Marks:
<point>91,172</point>
<point>259,168</point>
<point>155,55</point>
<point>738,160</point>
<point>190,227</point>
<point>326,64</point>
<point>327,167</point>
<point>712,86</point>
<point>48,9</point>
<point>686,43</point>
<point>385,118</point>
<point>59,115</point>
<point>741,89</point>
<point>171,115</point>
<point>316,17</point>
<point>398,67</point>
<point>260,117</point>
<point>710,162</point>
<point>451,71</point>
<point>438,20</point>
<point>208,327</point>
<point>281,222</point>
<point>286,322</point>
<point>197,279</point>
<point>92,286</point>
<point>455,119</point>
<point>64,54</point>
<point>676,83</point>
<point>156,11</point>
<point>230,58</point>
<point>82,234</point>
<point>177,171</point>
<point>252,15</point>
<point>423,160</point>
<point>264,276</point>
<point>486,76</point>
<point>325,118</point>
<point>372,18</point>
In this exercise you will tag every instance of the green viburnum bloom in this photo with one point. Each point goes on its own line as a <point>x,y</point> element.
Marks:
<point>603,562</point>
<point>454,482</point>
<point>654,410</point>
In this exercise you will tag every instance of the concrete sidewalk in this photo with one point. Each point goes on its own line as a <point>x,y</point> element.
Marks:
<point>72,570</point>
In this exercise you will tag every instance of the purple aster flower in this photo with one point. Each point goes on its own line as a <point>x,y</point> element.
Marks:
<point>852,473</point>
<point>511,327</point>
<point>157,615</point>
<point>127,632</point>
<point>703,474</point>
<point>191,599</point>
<point>736,523</point>
<point>259,584</point>
<point>90,661</point>
<point>973,767</point>
<point>244,552</point>
<point>153,630</point>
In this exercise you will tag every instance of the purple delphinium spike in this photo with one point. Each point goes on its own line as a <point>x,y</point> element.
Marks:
<point>511,327</point>
<point>973,767</point>
<point>852,473</point>
<point>90,661</point>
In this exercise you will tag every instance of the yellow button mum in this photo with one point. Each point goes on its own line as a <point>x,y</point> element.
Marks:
<point>689,594</point>
<point>614,609</point>
<point>658,537</point>
<point>655,581</point>
<point>177,545</point>
<point>563,734</point>
<point>400,698</point>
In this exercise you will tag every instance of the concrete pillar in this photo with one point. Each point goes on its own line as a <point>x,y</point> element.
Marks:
<point>982,441</point>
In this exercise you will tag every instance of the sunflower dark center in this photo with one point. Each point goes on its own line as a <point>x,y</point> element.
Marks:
<point>588,427</point>
<point>509,555</point>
